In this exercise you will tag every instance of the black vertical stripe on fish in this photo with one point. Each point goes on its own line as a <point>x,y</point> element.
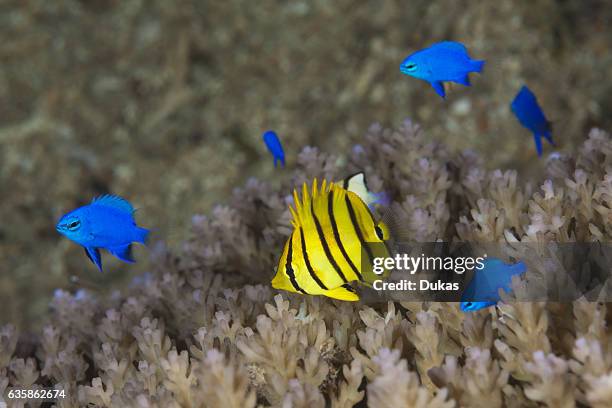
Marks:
<point>332,219</point>
<point>370,214</point>
<point>357,229</point>
<point>328,254</point>
<point>348,287</point>
<point>307,262</point>
<point>289,268</point>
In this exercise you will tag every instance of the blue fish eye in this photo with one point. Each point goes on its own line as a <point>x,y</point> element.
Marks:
<point>74,225</point>
<point>410,67</point>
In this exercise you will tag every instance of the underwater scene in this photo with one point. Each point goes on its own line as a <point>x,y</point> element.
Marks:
<point>305,203</point>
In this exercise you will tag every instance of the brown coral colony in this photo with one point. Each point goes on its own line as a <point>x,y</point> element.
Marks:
<point>204,329</point>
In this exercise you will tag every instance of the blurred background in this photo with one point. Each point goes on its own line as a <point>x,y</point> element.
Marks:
<point>164,103</point>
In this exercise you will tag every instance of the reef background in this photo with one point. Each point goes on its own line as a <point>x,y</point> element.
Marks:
<point>164,103</point>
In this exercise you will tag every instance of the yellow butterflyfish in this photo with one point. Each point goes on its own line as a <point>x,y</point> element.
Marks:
<point>333,230</point>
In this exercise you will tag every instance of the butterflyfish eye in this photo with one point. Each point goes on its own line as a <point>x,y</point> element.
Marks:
<point>379,233</point>
<point>74,225</point>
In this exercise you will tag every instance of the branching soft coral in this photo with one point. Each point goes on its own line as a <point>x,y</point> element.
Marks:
<point>395,386</point>
<point>204,328</point>
<point>478,383</point>
<point>286,347</point>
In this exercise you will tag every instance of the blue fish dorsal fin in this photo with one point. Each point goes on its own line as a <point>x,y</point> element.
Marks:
<point>109,200</point>
<point>451,45</point>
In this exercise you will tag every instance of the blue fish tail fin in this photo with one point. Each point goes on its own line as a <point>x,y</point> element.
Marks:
<point>94,256</point>
<point>123,252</point>
<point>282,160</point>
<point>538,143</point>
<point>142,235</point>
<point>477,66</point>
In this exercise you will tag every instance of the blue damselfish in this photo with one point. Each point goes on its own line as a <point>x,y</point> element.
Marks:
<point>274,146</point>
<point>441,62</point>
<point>483,289</point>
<point>108,223</point>
<point>527,110</point>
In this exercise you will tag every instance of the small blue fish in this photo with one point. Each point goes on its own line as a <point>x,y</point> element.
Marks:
<point>108,223</point>
<point>441,62</point>
<point>528,112</point>
<point>483,289</point>
<point>274,146</point>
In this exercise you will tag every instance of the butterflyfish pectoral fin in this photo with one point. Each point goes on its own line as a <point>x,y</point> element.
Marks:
<point>344,292</point>
<point>94,256</point>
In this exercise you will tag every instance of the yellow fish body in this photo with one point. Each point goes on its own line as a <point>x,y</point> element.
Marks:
<point>324,252</point>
